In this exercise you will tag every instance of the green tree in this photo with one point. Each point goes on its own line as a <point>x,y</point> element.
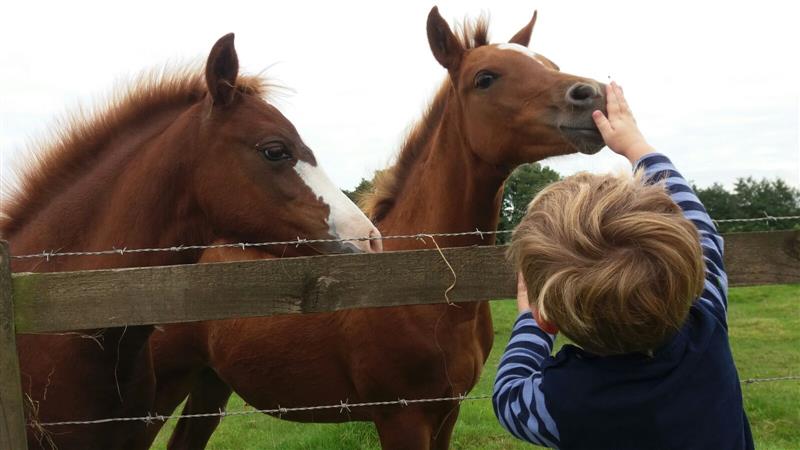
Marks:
<point>720,203</point>
<point>364,186</point>
<point>523,184</point>
<point>752,199</point>
<point>759,198</point>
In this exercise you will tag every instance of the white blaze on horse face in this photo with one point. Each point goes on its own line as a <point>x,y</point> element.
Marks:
<point>520,49</point>
<point>345,220</point>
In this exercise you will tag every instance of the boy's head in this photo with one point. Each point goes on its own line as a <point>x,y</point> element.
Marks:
<point>609,260</point>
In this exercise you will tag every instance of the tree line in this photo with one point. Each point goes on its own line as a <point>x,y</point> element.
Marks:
<point>749,198</point>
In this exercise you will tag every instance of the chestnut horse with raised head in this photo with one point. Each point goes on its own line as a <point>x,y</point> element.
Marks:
<point>180,159</point>
<point>501,105</point>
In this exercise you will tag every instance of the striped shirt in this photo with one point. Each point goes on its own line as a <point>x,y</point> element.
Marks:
<point>686,396</point>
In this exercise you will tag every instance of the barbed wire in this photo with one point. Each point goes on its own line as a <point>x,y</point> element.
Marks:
<point>766,218</point>
<point>47,254</point>
<point>342,406</point>
<point>771,379</point>
<point>243,245</point>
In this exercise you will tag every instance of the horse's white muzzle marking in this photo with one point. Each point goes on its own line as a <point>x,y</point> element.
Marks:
<point>345,220</point>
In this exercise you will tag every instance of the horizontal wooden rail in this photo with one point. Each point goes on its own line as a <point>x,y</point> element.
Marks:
<point>766,257</point>
<point>47,302</point>
<point>153,295</point>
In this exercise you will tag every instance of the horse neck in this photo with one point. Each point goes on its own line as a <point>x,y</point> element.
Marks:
<point>132,196</point>
<point>449,189</point>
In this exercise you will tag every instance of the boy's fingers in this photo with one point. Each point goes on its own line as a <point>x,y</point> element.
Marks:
<point>623,104</point>
<point>612,104</point>
<point>602,123</point>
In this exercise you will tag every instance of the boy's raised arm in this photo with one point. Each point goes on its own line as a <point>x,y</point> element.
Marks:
<point>715,294</point>
<point>622,135</point>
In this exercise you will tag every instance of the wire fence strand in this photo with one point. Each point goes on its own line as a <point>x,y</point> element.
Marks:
<point>766,218</point>
<point>342,406</point>
<point>771,379</point>
<point>243,245</point>
<point>48,254</point>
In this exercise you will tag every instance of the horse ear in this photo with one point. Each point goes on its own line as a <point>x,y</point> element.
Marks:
<point>445,46</point>
<point>222,68</point>
<point>523,36</point>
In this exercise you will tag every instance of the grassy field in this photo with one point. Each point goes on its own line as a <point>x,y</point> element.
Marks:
<point>765,336</point>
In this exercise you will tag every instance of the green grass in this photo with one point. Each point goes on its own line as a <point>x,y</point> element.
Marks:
<point>764,334</point>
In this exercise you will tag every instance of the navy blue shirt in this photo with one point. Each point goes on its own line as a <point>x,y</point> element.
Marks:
<point>686,395</point>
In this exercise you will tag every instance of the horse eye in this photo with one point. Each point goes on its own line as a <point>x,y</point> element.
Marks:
<point>275,151</point>
<point>484,79</point>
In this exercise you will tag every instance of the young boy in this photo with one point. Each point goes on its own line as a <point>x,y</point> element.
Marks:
<point>630,269</point>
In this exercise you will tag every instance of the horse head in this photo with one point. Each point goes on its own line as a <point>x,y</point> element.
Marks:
<point>256,178</point>
<point>515,105</point>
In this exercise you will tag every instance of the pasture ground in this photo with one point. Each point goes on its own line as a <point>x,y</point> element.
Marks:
<point>765,336</point>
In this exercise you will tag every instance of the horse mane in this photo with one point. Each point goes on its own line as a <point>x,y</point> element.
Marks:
<point>80,138</point>
<point>389,183</point>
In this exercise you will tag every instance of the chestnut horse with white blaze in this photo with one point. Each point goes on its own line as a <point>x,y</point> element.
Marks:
<point>181,158</point>
<point>501,105</point>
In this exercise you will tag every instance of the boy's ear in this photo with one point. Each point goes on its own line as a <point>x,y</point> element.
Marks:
<point>546,326</point>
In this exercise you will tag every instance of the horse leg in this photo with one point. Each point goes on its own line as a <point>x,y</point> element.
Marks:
<point>134,382</point>
<point>414,427</point>
<point>404,429</point>
<point>441,436</point>
<point>178,360</point>
<point>209,394</point>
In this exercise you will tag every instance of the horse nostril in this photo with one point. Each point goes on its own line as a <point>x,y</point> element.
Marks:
<point>582,93</point>
<point>376,244</point>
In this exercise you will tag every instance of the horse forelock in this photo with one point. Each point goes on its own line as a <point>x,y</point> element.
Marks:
<point>388,183</point>
<point>473,33</point>
<point>68,150</point>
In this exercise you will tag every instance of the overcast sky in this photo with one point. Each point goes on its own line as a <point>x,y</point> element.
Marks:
<point>715,84</point>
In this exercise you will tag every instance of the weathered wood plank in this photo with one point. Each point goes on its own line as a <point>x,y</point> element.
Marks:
<point>107,298</point>
<point>12,412</point>
<point>763,257</point>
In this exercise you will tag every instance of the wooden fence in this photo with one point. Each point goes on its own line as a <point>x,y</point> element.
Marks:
<point>65,301</point>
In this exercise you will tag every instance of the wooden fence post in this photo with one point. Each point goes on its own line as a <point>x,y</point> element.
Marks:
<point>12,412</point>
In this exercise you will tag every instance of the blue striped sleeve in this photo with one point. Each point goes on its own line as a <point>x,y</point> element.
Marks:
<point>518,399</point>
<point>658,167</point>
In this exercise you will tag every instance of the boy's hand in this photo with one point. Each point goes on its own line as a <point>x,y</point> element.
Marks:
<point>619,130</point>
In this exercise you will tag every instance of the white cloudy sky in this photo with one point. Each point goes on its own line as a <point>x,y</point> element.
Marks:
<point>714,83</point>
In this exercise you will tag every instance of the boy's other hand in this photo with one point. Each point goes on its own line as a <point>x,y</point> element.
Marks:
<point>523,304</point>
<point>619,129</point>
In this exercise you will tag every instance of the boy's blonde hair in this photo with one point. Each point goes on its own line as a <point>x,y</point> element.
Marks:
<point>610,260</point>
